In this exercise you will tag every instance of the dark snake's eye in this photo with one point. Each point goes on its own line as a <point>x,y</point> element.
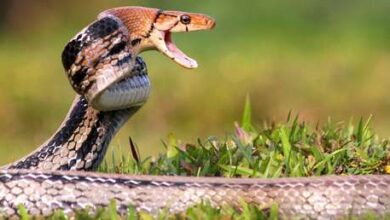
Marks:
<point>185,19</point>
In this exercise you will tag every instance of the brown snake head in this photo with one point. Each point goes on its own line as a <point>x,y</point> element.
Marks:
<point>151,28</point>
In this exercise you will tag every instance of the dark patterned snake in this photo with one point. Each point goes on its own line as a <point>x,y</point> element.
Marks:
<point>112,84</point>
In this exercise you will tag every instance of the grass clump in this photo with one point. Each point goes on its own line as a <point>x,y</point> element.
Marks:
<point>291,148</point>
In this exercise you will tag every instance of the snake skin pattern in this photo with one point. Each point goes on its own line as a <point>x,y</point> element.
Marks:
<point>81,143</point>
<point>307,198</point>
<point>102,59</point>
<point>82,140</point>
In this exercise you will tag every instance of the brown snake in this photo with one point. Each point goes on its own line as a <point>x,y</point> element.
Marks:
<point>112,84</point>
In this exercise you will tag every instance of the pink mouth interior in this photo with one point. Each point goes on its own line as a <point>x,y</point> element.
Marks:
<point>178,55</point>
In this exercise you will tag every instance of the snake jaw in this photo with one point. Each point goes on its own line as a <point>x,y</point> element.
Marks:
<point>176,21</point>
<point>166,46</point>
<point>172,21</point>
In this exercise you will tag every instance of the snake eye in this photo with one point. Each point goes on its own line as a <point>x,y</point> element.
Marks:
<point>185,19</point>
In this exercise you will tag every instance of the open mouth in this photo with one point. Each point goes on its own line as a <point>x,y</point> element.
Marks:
<point>178,55</point>
<point>168,47</point>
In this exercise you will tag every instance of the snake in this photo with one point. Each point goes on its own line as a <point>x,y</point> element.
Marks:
<point>111,80</point>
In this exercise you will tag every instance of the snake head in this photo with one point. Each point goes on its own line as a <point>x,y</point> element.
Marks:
<point>150,29</point>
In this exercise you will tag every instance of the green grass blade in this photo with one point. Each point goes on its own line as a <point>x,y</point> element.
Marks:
<point>23,213</point>
<point>286,146</point>
<point>246,122</point>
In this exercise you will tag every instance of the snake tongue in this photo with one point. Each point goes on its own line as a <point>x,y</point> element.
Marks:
<point>169,48</point>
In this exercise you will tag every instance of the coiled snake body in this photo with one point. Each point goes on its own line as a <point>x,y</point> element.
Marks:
<point>112,84</point>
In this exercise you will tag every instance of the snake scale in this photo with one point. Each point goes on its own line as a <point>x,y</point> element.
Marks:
<point>102,65</point>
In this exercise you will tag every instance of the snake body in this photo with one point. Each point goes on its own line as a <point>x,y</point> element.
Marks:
<point>82,139</point>
<point>103,67</point>
<point>316,197</point>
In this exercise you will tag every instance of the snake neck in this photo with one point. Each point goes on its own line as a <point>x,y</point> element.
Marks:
<point>81,141</point>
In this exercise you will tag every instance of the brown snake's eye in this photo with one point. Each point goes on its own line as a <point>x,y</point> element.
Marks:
<point>185,19</point>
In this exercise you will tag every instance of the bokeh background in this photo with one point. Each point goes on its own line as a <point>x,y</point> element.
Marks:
<point>318,59</point>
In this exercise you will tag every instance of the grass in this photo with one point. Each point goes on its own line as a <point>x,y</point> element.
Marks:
<point>291,148</point>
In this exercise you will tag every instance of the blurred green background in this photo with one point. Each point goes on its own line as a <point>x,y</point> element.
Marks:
<point>317,58</point>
